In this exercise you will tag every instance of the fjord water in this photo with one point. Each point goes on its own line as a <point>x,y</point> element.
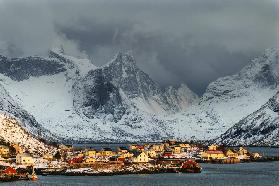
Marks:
<point>254,174</point>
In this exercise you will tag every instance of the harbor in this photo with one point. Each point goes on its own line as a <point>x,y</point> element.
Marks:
<point>167,157</point>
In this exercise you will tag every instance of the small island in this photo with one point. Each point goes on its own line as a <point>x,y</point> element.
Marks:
<point>169,156</point>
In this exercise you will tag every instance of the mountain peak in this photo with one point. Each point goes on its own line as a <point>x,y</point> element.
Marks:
<point>123,58</point>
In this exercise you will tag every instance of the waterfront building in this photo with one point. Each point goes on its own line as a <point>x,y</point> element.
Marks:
<point>158,147</point>
<point>4,150</point>
<point>242,151</point>
<point>213,155</point>
<point>107,152</point>
<point>48,157</point>
<point>140,157</point>
<point>89,160</point>
<point>176,149</point>
<point>90,153</point>
<point>230,153</point>
<point>213,147</point>
<point>151,153</point>
<point>24,159</point>
<point>122,150</point>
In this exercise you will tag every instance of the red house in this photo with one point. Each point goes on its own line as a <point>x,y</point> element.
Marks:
<point>76,160</point>
<point>10,171</point>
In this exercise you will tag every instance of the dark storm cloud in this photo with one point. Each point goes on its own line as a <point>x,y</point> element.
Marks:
<point>191,41</point>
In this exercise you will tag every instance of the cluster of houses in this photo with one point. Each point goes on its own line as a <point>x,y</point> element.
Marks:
<point>19,157</point>
<point>214,152</point>
<point>133,153</point>
<point>169,150</point>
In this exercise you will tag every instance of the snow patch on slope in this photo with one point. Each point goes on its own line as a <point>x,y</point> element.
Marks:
<point>12,132</point>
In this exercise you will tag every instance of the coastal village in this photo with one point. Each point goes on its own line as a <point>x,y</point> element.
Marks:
<point>168,156</point>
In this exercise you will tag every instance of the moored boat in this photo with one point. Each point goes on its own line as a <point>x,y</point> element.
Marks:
<point>33,176</point>
<point>190,166</point>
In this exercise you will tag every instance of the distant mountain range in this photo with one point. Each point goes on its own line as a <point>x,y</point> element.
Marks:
<point>64,98</point>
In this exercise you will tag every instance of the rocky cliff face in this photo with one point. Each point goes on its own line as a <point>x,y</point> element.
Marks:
<point>77,101</point>
<point>120,85</point>
<point>22,68</point>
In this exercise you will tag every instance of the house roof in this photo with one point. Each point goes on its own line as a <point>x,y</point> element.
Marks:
<point>10,170</point>
<point>231,150</point>
<point>214,152</point>
<point>137,153</point>
<point>24,155</point>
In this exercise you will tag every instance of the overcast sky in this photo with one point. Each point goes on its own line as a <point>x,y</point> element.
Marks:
<point>174,41</point>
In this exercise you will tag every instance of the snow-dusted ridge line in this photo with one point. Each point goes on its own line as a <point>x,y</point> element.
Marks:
<point>82,105</point>
<point>259,128</point>
<point>119,102</point>
<point>230,99</point>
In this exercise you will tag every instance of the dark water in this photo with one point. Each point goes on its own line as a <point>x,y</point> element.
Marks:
<point>245,174</point>
<point>265,151</point>
<point>254,174</point>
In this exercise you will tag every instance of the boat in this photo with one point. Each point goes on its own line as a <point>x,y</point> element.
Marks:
<point>33,176</point>
<point>190,166</point>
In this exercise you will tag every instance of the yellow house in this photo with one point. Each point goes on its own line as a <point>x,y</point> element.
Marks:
<point>122,150</point>
<point>151,153</point>
<point>213,147</point>
<point>243,154</point>
<point>256,155</point>
<point>89,160</point>
<point>48,157</point>
<point>213,154</point>
<point>66,148</point>
<point>80,154</point>
<point>24,159</point>
<point>140,157</point>
<point>158,147</point>
<point>107,152</point>
<point>231,153</point>
<point>90,153</point>
<point>4,150</point>
<point>185,145</point>
<point>242,151</point>
<point>126,155</point>
<point>133,146</point>
<point>176,149</point>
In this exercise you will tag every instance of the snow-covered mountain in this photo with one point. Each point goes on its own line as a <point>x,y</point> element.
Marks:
<point>75,100</point>
<point>229,99</point>
<point>259,128</point>
<point>9,107</point>
<point>13,133</point>
<point>120,85</point>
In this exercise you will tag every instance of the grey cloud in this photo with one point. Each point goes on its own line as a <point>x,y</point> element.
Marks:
<point>193,41</point>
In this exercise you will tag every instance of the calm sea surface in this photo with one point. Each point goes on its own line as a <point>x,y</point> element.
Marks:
<point>246,174</point>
